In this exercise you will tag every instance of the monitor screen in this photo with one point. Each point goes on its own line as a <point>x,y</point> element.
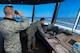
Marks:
<point>71,42</point>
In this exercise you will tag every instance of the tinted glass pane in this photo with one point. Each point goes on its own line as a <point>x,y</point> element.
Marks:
<point>67,13</point>
<point>78,26</point>
<point>46,11</point>
<point>25,9</point>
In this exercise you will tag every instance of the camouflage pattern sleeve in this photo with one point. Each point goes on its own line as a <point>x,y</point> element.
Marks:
<point>41,30</point>
<point>22,25</point>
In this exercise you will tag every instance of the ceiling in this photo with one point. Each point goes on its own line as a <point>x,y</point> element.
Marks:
<point>30,2</point>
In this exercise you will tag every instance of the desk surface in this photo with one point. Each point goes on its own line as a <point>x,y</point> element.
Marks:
<point>55,45</point>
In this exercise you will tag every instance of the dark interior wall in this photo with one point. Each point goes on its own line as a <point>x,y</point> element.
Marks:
<point>1,43</point>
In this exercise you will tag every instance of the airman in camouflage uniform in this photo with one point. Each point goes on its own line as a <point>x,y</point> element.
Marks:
<point>31,33</point>
<point>10,29</point>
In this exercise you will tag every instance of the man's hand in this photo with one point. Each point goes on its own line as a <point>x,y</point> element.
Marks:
<point>19,13</point>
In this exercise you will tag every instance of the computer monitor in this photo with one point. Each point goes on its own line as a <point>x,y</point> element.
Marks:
<point>71,42</point>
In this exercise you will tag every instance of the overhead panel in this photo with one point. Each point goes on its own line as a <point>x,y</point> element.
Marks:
<point>10,1</point>
<point>30,2</point>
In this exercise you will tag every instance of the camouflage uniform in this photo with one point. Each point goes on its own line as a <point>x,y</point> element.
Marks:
<point>10,30</point>
<point>31,33</point>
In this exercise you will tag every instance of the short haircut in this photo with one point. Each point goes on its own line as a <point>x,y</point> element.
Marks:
<point>6,7</point>
<point>42,19</point>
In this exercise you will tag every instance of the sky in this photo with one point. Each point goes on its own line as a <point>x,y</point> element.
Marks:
<point>68,9</point>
